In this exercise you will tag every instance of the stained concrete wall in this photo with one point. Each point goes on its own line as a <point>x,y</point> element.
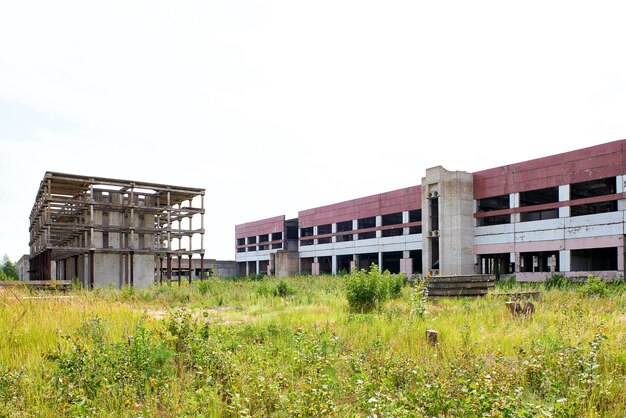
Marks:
<point>143,274</point>
<point>287,263</point>
<point>454,191</point>
<point>225,268</point>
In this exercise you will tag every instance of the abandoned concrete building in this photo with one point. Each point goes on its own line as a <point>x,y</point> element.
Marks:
<point>561,213</point>
<point>102,231</point>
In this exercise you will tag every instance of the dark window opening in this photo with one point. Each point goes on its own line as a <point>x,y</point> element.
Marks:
<point>264,266</point>
<point>539,197</point>
<point>105,240</point>
<point>292,229</point>
<point>326,265</point>
<point>277,236</point>
<point>594,259</point>
<point>539,215</point>
<point>415,230</point>
<point>241,241</point>
<point>306,265</point>
<point>343,264</point>
<point>323,230</point>
<point>415,215</point>
<point>262,240</point>
<point>391,261</point>
<point>493,203</point>
<point>367,223</point>
<point>306,232</point>
<point>434,254</point>
<point>416,256</point>
<point>366,260</point>
<point>592,188</point>
<point>497,264</point>
<point>494,220</point>
<point>593,208</point>
<point>344,227</point>
<point>241,250</point>
<point>392,219</point>
<point>434,216</point>
<point>251,240</point>
<point>539,261</point>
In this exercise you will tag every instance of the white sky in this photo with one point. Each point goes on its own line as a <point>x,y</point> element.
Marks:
<point>280,106</point>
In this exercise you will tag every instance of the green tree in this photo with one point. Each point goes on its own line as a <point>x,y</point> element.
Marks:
<point>9,268</point>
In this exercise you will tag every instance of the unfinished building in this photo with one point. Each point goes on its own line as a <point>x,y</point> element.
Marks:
<point>563,213</point>
<point>102,231</point>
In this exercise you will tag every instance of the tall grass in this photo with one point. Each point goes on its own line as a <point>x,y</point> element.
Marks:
<point>293,347</point>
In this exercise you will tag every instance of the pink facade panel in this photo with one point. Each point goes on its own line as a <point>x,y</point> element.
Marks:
<point>400,200</point>
<point>595,162</point>
<point>260,227</point>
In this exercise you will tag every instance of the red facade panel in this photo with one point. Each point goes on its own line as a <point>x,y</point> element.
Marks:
<point>260,227</point>
<point>363,207</point>
<point>595,162</point>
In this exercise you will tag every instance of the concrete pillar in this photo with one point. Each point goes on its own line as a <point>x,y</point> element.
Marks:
<point>514,203</point>
<point>380,259</point>
<point>334,263</point>
<point>379,222</point>
<point>564,193</point>
<point>405,220</point>
<point>355,226</point>
<point>454,195</point>
<point>333,229</point>
<point>315,233</point>
<point>620,258</point>
<point>564,260</point>
<point>257,269</point>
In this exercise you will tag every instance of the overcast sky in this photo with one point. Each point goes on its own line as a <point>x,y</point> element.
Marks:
<point>280,106</point>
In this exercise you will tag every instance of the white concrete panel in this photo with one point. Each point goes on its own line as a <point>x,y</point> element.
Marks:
<point>494,239</point>
<point>392,247</point>
<point>540,235</point>
<point>539,225</point>
<point>494,229</point>
<point>594,231</point>
<point>598,219</point>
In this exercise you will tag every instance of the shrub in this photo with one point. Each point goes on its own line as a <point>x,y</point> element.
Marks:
<point>557,281</point>
<point>594,286</point>
<point>283,289</point>
<point>368,290</point>
<point>204,287</point>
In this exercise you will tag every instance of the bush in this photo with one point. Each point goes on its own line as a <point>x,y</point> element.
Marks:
<point>369,290</point>
<point>204,287</point>
<point>594,286</point>
<point>283,289</point>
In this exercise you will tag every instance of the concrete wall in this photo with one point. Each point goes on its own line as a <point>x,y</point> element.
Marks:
<point>143,274</point>
<point>287,263</point>
<point>225,268</point>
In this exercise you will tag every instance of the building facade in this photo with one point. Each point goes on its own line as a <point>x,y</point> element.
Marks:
<point>102,231</point>
<point>562,213</point>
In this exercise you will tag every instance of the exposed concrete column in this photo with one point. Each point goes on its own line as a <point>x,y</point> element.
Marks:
<point>257,268</point>
<point>565,260</point>
<point>334,263</point>
<point>620,258</point>
<point>514,203</point>
<point>380,258</point>
<point>405,220</point>
<point>355,226</point>
<point>315,233</point>
<point>379,233</point>
<point>564,212</point>
<point>451,194</point>
<point>333,229</point>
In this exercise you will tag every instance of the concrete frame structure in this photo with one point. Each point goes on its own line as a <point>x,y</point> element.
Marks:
<point>103,231</point>
<point>563,213</point>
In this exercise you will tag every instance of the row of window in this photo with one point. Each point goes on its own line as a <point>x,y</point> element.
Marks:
<point>344,228</point>
<point>582,190</point>
<point>263,242</point>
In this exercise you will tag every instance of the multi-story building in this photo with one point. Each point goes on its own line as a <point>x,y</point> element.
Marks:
<point>562,213</point>
<point>102,231</point>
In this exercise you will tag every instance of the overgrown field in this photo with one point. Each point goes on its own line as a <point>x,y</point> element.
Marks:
<point>295,348</point>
